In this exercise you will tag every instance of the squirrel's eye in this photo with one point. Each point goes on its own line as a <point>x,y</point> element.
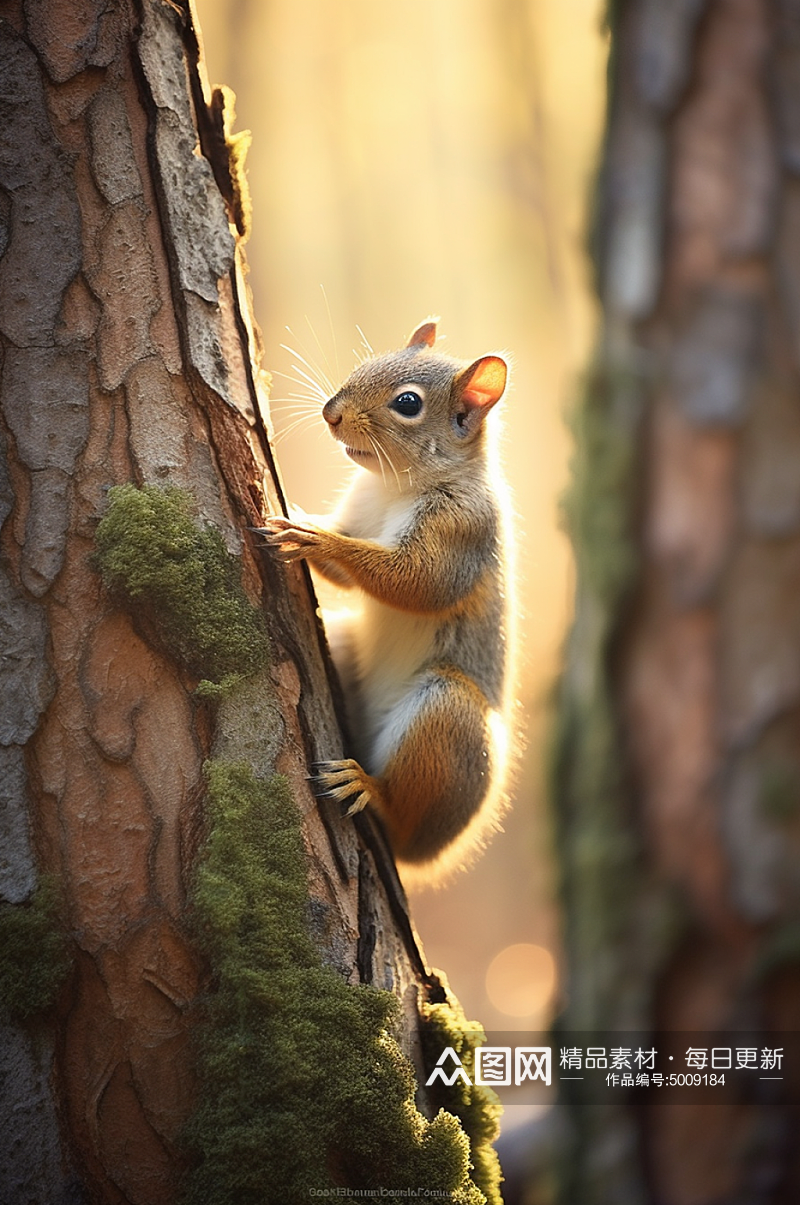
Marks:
<point>408,403</point>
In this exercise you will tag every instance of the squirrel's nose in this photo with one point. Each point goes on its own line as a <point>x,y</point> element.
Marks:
<point>331,414</point>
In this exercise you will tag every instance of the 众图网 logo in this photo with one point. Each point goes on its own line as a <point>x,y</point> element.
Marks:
<point>494,1065</point>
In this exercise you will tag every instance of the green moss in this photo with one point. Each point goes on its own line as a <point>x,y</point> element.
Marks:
<point>597,846</point>
<point>34,956</point>
<point>620,923</point>
<point>181,579</point>
<point>477,1107</point>
<point>779,788</point>
<point>217,691</point>
<point>303,1083</point>
<point>599,506</point>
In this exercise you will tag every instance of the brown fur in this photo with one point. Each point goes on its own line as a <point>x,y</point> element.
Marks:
<point>420,536</point>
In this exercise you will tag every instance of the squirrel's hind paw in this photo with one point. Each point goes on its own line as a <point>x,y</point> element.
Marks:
<point>358,804</point>
<point>341,780</point>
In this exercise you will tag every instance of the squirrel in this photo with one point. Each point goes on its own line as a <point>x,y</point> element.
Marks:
<point>419,538</point>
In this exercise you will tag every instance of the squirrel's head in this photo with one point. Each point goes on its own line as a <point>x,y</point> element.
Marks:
<point>413,409</point>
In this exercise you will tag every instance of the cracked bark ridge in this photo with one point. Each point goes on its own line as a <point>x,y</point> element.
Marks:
<point>124,356</point>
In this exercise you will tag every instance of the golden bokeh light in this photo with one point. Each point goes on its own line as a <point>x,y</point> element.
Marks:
<point>521,979</point>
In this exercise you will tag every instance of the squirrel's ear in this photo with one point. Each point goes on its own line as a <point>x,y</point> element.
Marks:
<point>478,388</point>
<point>424,335</point>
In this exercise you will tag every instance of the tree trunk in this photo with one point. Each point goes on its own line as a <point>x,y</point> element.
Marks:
<point>678,775</point>
<point>129,356</point>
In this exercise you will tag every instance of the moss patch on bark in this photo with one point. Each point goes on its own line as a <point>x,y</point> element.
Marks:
<point>180,578</point>
<point>34,954</point>
<point>304,1084</point>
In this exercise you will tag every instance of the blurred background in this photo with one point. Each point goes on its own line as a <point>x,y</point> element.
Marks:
<point>423,158</point>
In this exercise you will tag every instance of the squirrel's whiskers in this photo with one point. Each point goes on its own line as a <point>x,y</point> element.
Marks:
<point>423,657</point>
<point>308,361</point>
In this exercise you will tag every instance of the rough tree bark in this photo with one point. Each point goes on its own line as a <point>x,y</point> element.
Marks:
<point>128,355</point>
<point>678,777</point>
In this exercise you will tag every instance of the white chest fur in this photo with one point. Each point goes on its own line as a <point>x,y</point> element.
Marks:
<point>371,510</point>
<point>388,646</point>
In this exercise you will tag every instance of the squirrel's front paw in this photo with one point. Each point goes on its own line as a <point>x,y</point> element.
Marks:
<point>341,780</point>
<point>290,539</point>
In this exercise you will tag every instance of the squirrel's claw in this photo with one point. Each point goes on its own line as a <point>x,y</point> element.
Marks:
<point>289,540</point>
<point>360,803</point>
<point>341,780</point>
<point>331,773</point>
<point>274,523</point>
